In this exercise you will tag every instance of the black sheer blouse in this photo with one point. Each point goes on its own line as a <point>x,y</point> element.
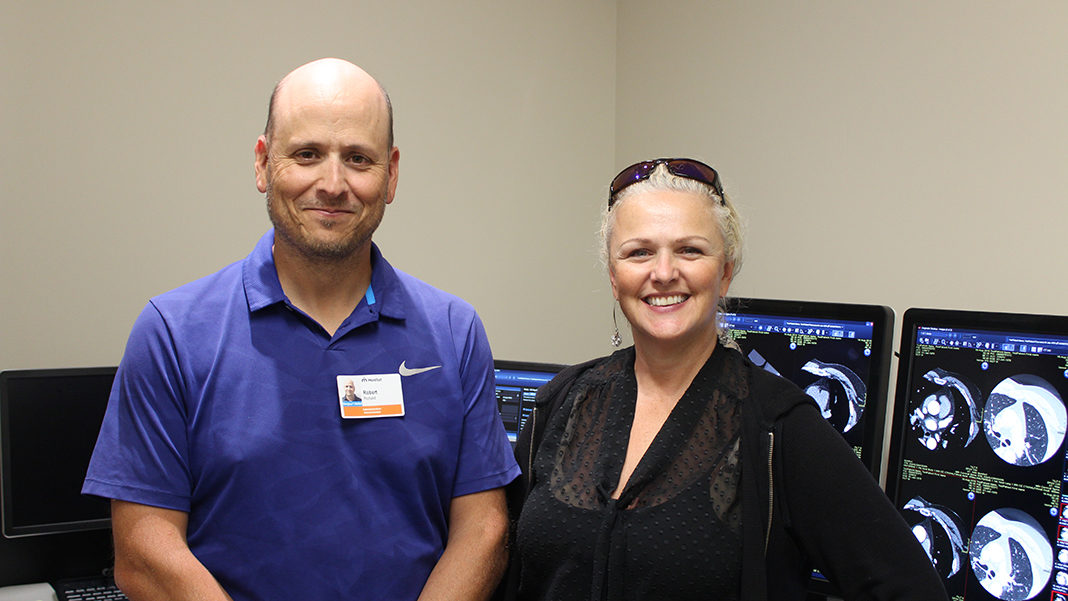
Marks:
<point>674,532</point>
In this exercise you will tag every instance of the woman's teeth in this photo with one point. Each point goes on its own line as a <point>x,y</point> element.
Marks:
<point>663,301</point>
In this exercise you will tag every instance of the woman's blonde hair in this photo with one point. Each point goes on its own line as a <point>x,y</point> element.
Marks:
<point>730,226</point>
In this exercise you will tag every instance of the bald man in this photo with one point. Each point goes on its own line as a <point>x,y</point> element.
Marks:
<point>233,469</point>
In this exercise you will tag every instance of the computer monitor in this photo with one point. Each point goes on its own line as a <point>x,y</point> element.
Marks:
<point>49,421</point>
<point>517,382</point>
<point>977,454</point>
<point>838,353</point>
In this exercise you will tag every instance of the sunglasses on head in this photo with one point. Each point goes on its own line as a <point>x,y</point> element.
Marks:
<point>688,168</point>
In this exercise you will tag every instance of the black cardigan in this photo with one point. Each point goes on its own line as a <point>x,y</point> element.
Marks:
<point>816,505</point>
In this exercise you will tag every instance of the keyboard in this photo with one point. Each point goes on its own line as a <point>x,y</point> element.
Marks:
<point>96,589</point>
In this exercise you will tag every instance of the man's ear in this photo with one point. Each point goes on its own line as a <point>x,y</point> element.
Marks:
<point>260,164</point>
<point>394,173</point>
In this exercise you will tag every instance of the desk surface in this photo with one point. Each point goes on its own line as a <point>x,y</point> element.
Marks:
<point>40,591</point>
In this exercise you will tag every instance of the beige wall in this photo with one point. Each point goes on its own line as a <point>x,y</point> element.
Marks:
<point>900,153</point>
<point>127,156</point>
<point>904,153</point>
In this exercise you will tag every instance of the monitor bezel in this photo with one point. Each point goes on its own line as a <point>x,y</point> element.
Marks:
<point>7,528</point>
<point>882,319</point>
<point>914,318</point>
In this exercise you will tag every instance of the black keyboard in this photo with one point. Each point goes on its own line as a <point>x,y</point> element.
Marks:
<point>96,589</point>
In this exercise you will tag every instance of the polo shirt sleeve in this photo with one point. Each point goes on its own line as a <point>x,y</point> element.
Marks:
<point>485,459</point>
<point>141,454</point>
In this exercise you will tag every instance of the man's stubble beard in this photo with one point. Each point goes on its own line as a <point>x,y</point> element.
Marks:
<point>320,251</point>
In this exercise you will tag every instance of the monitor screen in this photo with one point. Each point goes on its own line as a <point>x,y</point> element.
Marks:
<point>838,353</point>
<point>517,383</point>
<point>49,421</point>
<point>977,455</point>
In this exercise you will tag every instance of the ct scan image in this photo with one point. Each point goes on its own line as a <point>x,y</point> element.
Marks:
<point>1010,555</point>
<point>838,391</point>
<point>1025,420</point>
<point>939,530</point>
<point>947,413</point>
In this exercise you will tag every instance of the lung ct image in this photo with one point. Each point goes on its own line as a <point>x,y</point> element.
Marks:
<point>831,371</point>
<point>939,530</point>
<point>1010,555</point>
<point>1025,420</point>
<point>838,391</point>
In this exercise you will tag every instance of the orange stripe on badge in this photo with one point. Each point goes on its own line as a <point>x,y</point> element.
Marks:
<point>371,410</point>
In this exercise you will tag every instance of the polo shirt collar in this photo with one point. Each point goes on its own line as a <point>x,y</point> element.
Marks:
<point>390,297</point>
<point>263,289</point>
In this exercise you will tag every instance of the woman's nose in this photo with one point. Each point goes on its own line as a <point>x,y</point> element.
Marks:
<point>664,270</point>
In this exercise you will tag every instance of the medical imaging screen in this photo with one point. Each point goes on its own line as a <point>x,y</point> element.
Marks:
<point>517,384</point>
<point>979,459</point>
<point>831,360</point>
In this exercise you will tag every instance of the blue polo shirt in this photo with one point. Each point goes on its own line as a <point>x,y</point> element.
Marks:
<point>226,406</point>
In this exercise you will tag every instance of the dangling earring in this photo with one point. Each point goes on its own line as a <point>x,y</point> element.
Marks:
<point>616,338</point>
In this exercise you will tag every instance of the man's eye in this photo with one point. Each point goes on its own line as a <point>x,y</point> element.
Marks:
<point>358,159</point>
<point>305,155</point>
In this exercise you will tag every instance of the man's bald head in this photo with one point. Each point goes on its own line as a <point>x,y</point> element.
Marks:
<point>328,71</point>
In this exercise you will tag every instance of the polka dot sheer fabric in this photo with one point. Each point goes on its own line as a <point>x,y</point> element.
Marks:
<point>674,531</point>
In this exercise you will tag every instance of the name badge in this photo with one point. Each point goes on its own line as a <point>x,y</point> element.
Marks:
<point>370,396</point>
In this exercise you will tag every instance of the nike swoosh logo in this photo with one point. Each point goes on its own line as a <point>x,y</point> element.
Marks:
<point>411,371</point>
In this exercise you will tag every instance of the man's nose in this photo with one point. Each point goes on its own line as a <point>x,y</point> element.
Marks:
<point>332,178</point>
